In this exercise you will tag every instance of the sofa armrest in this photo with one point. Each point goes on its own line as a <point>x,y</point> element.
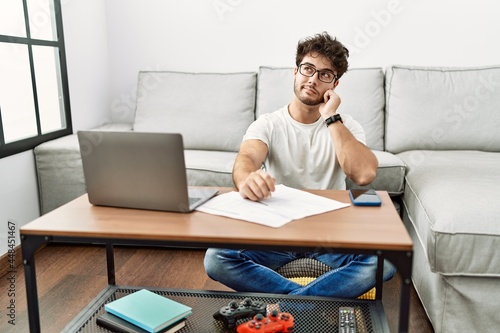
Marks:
<point>59,169</point>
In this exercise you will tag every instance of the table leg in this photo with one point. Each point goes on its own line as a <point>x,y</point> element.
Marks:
<point>380,276</point>
<point>110,260</point>
<point>29,245</point>
<point>403,262</point>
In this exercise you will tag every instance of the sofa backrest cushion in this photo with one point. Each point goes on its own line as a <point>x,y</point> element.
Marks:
<point>361,91</point>
<point>274,89</point>
<point>211,111</point>
<point>442,108</point>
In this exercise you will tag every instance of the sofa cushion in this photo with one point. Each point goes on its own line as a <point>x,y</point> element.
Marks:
<point>60,173</point>
<point>220,106</point>
<point>361,91</point>
<point>442,108</point>
<point>209,168</point>
<point>390,174</point>
<point>274,89</point>
<point>451,198</point>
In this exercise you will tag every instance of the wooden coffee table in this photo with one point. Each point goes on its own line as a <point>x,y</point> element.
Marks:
<point>369,230</point>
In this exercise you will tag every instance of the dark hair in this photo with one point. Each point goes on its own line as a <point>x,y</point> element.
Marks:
<point>326,46</point>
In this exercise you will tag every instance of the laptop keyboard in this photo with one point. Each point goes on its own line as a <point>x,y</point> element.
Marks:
<point>197,196</point>
<point>193,200</point>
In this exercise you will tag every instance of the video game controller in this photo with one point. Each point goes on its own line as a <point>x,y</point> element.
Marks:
<point>245,309</point>
<point>275,322</point>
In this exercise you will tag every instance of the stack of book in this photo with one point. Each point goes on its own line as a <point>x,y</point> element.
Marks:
<point>144,311</point>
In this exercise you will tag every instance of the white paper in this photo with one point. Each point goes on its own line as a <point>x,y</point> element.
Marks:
<point>285,205</point>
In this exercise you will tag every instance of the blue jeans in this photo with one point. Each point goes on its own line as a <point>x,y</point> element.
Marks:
<point>255,271</point>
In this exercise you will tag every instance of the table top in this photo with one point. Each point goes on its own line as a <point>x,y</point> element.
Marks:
<point>355,227</point>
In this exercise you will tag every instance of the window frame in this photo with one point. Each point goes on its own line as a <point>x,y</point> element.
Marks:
<point>18,146</point>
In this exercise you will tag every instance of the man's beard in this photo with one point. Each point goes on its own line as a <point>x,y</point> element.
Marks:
<point>304,99</point>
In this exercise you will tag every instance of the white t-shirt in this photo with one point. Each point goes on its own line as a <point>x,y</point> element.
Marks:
<point>301,155</point>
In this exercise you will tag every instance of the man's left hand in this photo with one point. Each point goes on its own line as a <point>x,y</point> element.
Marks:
<point>330,105</point>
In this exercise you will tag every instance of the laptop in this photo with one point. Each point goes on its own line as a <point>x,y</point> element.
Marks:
<point>138,170</point>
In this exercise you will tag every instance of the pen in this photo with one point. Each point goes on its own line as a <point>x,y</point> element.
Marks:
<point>263,167</point>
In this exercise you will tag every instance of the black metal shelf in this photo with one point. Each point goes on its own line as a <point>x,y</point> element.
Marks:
<point>312,314</point>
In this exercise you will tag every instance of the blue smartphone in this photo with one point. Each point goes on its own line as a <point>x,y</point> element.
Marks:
<point>365,198</point>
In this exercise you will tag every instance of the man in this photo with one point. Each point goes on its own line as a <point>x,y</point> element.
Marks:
<point>305,144</point>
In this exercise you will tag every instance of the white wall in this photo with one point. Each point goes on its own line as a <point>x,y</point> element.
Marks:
<point>18,196</point>
<point>241,35</point>
<point>88,62</point>
<point>86,50</point>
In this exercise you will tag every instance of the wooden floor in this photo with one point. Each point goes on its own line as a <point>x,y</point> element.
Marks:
<point>70,276</point>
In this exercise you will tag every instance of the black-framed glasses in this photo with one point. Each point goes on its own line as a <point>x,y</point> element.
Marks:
<point>324,75</point>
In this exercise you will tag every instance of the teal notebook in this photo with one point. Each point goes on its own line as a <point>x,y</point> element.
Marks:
<point>148,310</point>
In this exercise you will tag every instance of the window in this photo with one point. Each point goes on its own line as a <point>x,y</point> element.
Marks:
<point>34,98</point>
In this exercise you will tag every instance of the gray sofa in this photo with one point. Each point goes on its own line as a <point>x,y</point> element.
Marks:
<point>433,130</point>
